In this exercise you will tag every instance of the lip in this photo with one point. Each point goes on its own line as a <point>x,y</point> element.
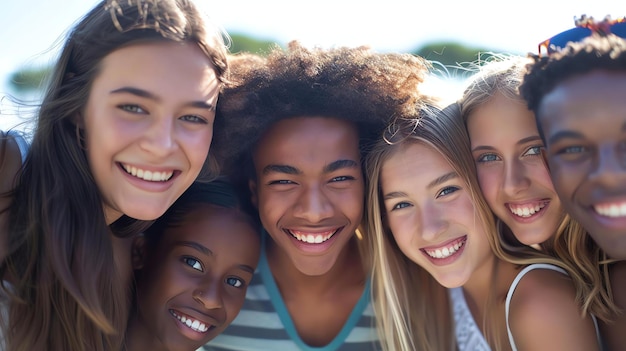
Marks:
<point>462,241</point>
<point>545,203</point>
<point>150,186</point>
<point>188,331</point>
<point>331,234</point>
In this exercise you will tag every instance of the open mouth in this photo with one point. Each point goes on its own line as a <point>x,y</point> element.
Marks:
<point>527,210</point>
<point>446,250</point>
<point>611,210</point>
<point>151,176</point>
<point>191,323</point>
<point>312,238</point>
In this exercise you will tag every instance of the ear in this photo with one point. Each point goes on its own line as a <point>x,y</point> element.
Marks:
<point>138,252</point>
<point>253,193</point>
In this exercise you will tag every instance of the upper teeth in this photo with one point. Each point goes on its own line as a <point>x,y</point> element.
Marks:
<point>526,211</point>
<point>612,210</point>
<point>312,238</point>
<point>446,251</point>
<point>153,176</point>
<point>194,324</point>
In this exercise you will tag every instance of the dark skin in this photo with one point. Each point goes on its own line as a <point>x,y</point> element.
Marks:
<point>309,190</point>
<point>613,333</point>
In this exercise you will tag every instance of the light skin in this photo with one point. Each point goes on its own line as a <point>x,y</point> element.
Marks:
<point>149,124</point>
<point>513,177</point>
<point>432,217</point>
<point>309,190</point>
<point>584,123</point>
<point>192,285</point>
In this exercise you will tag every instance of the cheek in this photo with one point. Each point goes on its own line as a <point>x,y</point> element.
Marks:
<point>489,181</point>
<point>197,147</point>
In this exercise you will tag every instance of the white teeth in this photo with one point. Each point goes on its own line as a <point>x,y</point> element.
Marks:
<point>310,238</point>
<point>191,323</point>
<point>148,175</point>
<point>612,210</point>
<point>526,211</point>
<point>446,251</point>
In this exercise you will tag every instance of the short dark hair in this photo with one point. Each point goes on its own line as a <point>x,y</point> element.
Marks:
<point>352,84</point>
<point>597,52</point>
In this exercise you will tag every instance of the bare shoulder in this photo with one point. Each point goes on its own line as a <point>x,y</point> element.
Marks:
<point>544,314</point>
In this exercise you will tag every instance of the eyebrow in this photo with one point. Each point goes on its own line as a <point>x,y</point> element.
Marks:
<point>194,245</point>
<point>564,134</point>
<point>444,178</point>
<point>148,95</point>
<point>332,167</point>
<point>520,142</point>
<point>246,268</point>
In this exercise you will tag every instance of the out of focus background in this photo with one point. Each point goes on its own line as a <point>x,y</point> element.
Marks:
<point>448,32</point>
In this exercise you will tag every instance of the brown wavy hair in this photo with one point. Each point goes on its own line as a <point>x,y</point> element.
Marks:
<point>65,288</point>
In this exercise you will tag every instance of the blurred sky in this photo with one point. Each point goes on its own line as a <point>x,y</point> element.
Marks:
<point>33,29</point>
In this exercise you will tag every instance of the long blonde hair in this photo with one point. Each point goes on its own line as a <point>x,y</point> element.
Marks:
<point>570,247</point>
<point>413,310</point>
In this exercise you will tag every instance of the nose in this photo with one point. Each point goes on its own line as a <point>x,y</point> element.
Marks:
<point>209,295</point>
<point>433,222</point>
<point>610,166</point>
<point>313,205</point>
<point>515,178</point>
<point>159,138</point>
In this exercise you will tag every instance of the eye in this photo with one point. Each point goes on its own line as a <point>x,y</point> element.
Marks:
<point>487,158</point>
<point>236,282</point>
<point>400,205</point>
<point>193,263</point>
<point>576,149</point>
<point>447,191</point>
<point>533,151</point>
<point>132,108</point>
<point>281,182</point>
<point>342,178</point>
<point>194,119</point>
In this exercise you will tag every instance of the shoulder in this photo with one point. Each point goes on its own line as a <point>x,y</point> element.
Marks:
<point>544,311</point>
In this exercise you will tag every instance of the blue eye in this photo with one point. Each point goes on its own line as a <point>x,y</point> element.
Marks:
<point>236,282</point>
<point>401,205</point>
<point>533,151</point>
<point>447,191</point>
<point>487,158</point>
<point>193,263</point>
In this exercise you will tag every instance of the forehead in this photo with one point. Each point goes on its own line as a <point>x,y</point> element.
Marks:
<point>208,223</point>
<point>500,119</point>
<point>415,163</point>
<point>308,138</point>
<point>593,103</point>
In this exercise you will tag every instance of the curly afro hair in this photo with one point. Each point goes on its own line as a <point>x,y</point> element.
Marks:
<point>596,52</point>
<point>353,84</point>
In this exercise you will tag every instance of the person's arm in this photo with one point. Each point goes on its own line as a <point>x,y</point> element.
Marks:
<point>10,165</point>
<point>615,332</point>
<point>544,315</point>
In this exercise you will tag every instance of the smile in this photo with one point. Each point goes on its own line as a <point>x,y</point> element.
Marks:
<point>612,210</point>
<point>527,210</point>
<point>193,324</point>
<point>447,250</point>
<point>151,176</point>
<point>312,238</point>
